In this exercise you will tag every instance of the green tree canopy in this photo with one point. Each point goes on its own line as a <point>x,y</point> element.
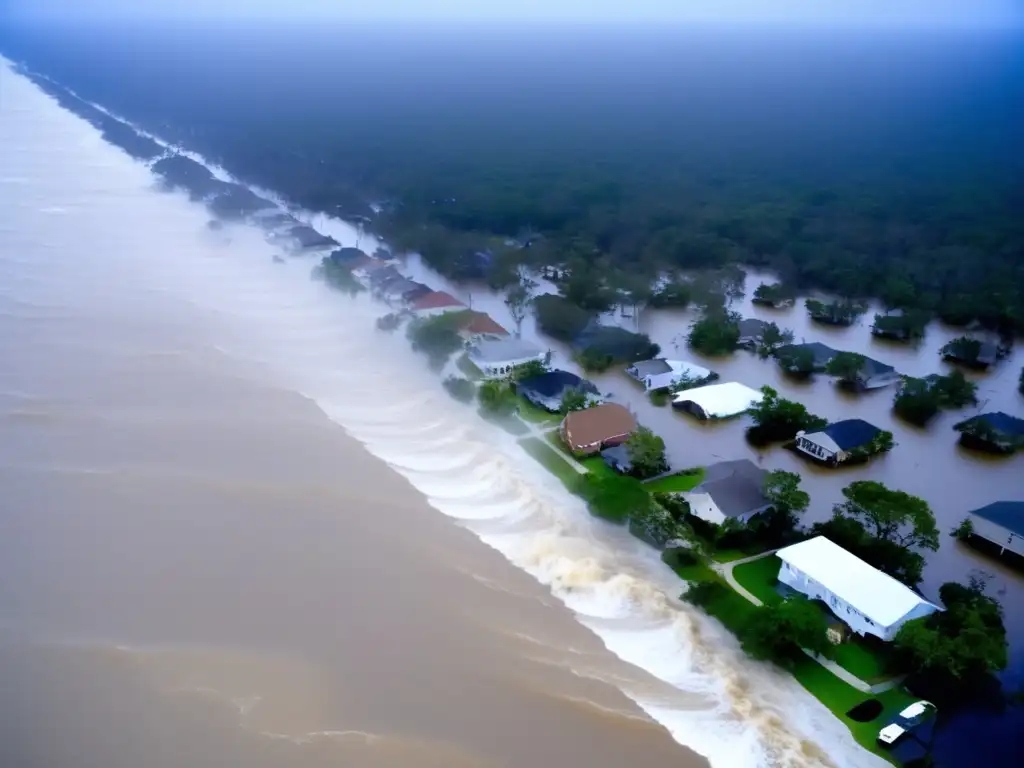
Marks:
<point>776,418</point>
<point>772,338</point>
<point>574,400</point>
<point>894,516</point>
<point>559,318</point>
<point>496,397</point>
<point>781,631</point>
<point>716,333</point>
<point>846,366</point>
<point>646,453</point>
<point>783,490</point>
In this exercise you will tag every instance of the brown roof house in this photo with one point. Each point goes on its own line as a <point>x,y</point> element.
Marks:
<point>590,430</point>
<point>480,325</point>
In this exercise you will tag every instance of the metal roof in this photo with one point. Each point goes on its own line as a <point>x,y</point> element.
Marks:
<point>1007,514</point>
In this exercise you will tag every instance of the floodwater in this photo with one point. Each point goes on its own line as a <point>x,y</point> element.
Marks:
<point>925,462</point>
<point>240,527</point>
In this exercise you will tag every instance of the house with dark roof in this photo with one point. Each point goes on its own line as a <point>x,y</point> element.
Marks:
<point>731,490</point>
<point>875,375</point>
<point>547,390</point>
<point>617,457</point>
<point>995,431</point>
<point>1001,523</point>
<point>347,256</point>
<point>617,344</point>
<point>304,236</point>
<point>751,331</point>
<point>588,431</point>
<point>838,442</point>
<point>821,354</point>
<point>972,353</point>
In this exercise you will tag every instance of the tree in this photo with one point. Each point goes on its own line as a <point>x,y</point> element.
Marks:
<point>953,653</point>
<point>847,367</point>
<point>775,295</point>
<point>674,294</point>
<point>917,401</point>
<point>594,360</point>
<point>613,497</point>
<point>903,326</point>
<point>956,390</point>
<point>843,312</point>
<point>716,333</point>
<point>459,388</point>
<point>574,400</point>
<point>780,632</point>
<point>798,361</point>
<point>496,397</point>
<point>560,318</point>
<point>776,418</point>
<point>437,337</point>
<point>529,370</point>
<point>518,300</point>
<point>964,530</point>
<point>773,337</point>
<point>646,453</point>
<point>337,276</point>
<point>783,490</point>
<point>893,516</point>
<point>963,349</point>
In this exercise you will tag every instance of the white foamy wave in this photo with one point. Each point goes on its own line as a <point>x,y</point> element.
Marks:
<point>296,333</point>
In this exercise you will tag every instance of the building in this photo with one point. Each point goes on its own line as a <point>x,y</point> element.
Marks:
<point>821,354</point>
<point>717,401</point>
<point>597,427</point>
<point>479,325</point>
<point>994,431</point>
<point>617,457</point>
<point>731,490</point>
<point>436,303</point>
<point>547,390</point>
<point>394,291</point>
<point>751,331</point>
<point>971,352</point>
<point>1001,523</point>
<point>862,597</point>
<point>497,358</point>
<point>875,375</point>
<point>663,374</point>
<point>835,443</point>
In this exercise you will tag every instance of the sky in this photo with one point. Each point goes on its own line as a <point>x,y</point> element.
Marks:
<point>895,13</point>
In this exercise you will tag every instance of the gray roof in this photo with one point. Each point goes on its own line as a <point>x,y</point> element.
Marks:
<point>499,350</point>
<point>751,327</point>
<point>617,457</point>
<point>1008,514</point>
<point>647,368</point>
<point>737,487</point>
<point>399,285</point>
<point>822,352</point>
<point>875,368</point>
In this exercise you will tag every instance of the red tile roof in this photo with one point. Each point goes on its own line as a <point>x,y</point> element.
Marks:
<point>482,323</point>
<point>437,300</point>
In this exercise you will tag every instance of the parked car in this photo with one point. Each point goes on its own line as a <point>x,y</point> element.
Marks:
<point>905,722</point>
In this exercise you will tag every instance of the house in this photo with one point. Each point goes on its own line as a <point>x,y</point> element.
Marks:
<point>731,490</point>
<point>862,597</point>
<point>617,457</point>
<point>875,375</point>
<point>993,431</point>
<point>400,291</point>
<point>751,331</point>
<point>417,292</point>
<point>436,303</point>
<point>617,344</point>
<point>835,442</point>
<point>1001,523</point>
<point>971,352</point>
<point>594,428</point>
<point>547,390</point>
<point>348,257</point>
<point>305,236</point>
<point>378,278</point>
<point>480,325</point>
<point>497,358</point>
<point>366,267</point>
<point>660,373</point>
<point>717,401</point>
<point>821,354</point>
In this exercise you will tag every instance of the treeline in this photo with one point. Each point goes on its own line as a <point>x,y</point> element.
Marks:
<point>524,185</point>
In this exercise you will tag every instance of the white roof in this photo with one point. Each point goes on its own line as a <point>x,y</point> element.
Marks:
<point>503,350</point>
<point>877,595</point>
<point>721,400</point>
<point>682,366</point>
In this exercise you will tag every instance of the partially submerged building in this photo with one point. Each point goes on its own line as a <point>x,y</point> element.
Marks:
<point>498,358</point>
<point>995,431</point>
<point>601,426</point>
<point>717,401</point>
<point>839,441</point>
<point>731,490</point>
<point>862,597</point>
<point>548,389</point>
<point>1002,524</point>
<point>660,373</point>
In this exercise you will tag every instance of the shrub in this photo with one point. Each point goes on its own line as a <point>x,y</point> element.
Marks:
<point>613,497</point>
<point>704,593</point>
<point>459,388</point>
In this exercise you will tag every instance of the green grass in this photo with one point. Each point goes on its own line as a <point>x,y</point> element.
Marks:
<point>860,659</point>
<point>596,466</point>
<point>728,555</point>
<point>684,480</point>
<point>468,368</point>
<point>759,577</point>
<point>509,423</point>
<point>529,412</point>
<point>548,457</point>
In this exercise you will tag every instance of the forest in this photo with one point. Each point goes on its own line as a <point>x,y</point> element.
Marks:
<point>927,222</point>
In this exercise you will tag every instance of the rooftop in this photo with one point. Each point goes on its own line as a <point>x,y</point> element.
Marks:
<point>822,352</point>
<point>555,383</point>
<point>1008,514</point>
<point>737,487</point>
<point>719,401</point>
<point>1003,423</point>
<point>437,300</point>
<point>482,323</point>
<point>851,433</point>
<point>501,350</point>
<point>875,594</point>
<point>752,327</point>
<point>598,424</point>
<point>649,368</point>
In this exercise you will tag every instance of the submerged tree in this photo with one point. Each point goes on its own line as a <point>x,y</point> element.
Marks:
<point>716,333</point>
<point>847,367</point>
<point>773,337</point>
<point>776,418</point>
<point>518,300</point>
<point>646,453</point>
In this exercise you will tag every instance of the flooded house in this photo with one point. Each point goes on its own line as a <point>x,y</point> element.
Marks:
<point>497,358</point>
<point>1000,523</point>
<point>996,432</point>
<point>661,373</point>
<point>717,401</point>
<point>548,389</point>
<point>839,441</point>
<point>731,490</point>
<point>601,426</point>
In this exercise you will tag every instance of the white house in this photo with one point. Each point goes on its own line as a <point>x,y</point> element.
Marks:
<point>836,442</point>
<point>1002,523</point>
<point>496,358</point>
<point>865,599</point>
<point>718,401</point>
<point>662,374</point>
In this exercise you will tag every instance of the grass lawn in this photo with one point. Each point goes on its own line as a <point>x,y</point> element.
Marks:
<point>684,480</point>
<point>596,466</point>
<point>510,423</point>
<point>550,459</point>
<point>728,555</point>
<point>858,658</point>
<point>759,577</point>
<point>468,368</point>
<point>532,413</point>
